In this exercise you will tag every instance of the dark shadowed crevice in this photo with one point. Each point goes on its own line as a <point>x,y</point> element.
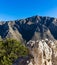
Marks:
<point>53,30</point>
<point>27,31</point>
<point>4,30</point>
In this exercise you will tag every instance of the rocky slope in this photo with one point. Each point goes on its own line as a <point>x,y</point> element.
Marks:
<point>36,27</point>
<point>40,35</point>
<point>43,52</point>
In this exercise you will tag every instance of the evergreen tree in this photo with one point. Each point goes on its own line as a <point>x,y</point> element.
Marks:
<point>10,50</point>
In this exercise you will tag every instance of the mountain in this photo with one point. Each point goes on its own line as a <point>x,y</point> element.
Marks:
<point>35,28</point>
<point>39,34</point>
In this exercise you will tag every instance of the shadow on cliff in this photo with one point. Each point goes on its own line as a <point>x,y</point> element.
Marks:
<point>4,30</point>
<point>27,31</point>
<point>53,30</point>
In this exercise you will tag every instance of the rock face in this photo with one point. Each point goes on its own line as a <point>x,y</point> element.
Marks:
<point>35,28</point>
<point>44,52</point>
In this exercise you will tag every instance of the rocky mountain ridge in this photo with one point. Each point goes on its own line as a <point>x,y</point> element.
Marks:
<point>40,35</point>
<point>36,27</point>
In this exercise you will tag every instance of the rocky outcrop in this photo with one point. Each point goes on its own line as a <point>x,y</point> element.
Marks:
<point>44,52</point>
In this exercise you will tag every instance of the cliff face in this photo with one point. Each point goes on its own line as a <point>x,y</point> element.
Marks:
<point>36,27</point>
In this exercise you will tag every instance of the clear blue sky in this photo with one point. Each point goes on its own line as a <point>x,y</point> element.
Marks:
<point>16,9</point>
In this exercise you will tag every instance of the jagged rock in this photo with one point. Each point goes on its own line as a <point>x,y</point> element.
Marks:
<point>35,28</point>
<point>44,52</point>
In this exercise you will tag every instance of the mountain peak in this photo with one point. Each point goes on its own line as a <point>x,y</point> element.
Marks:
<point>35,27</point>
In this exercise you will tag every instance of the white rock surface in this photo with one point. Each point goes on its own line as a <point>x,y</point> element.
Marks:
<point>44,53</point>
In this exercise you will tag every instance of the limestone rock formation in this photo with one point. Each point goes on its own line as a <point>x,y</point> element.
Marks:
<point>44,52</point>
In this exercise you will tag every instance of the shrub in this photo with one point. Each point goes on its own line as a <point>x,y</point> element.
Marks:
<point>10,50</point>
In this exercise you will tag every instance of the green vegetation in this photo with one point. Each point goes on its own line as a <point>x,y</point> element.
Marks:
<point>10,50</point>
